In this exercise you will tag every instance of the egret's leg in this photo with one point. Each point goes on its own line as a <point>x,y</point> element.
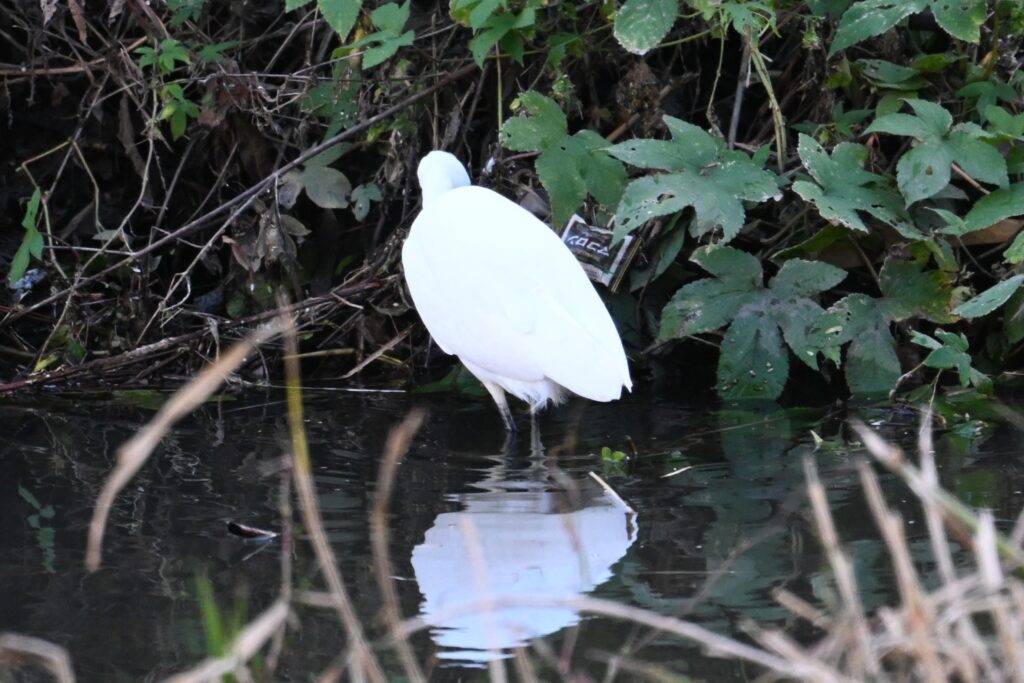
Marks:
<point>498,394</point>
<point>536,447</point>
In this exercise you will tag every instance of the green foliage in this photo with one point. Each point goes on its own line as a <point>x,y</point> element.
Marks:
<point>753,362</point>
<point>843,189</point>
<point>495,23</point>
<point>949,352</point>
<point>869,18</point>
<point>569,166</point>
<point>989,300</point>
<point>924,171</point>
<point>165,57</point>
<point>641,24</point>
<point>184,10</point>
<point>700,173</point>
<point>341,15</point>
<point>31,243</point>
<point>390,20</point>
<point>178,109</point>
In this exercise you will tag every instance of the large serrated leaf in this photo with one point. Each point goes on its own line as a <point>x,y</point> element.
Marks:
<point>845,189</point>
<point>711,180</point>
<point>641,24</point>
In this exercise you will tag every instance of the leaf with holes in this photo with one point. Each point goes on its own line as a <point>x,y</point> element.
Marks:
<point>961,19</point>
<point>701,174</point>
<point>924,170</point>
<point>843,189</point>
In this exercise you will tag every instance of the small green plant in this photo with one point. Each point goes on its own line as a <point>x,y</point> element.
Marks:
<point>32,243</point>
<point>166,57</point>
<point>496,24</point>
<point>177,107</point>
<point>390,20</point>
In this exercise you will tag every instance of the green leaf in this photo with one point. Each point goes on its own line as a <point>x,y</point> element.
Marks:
<point>924,171</point>
<point>978,159</point>
<point>567,190</point>
<point>569,166</point>
<point>31,218</point>
<point>995,206</point>
<point>641,24</point>
<point>729,264</point>
<point>799,278</point>
<point>753,362</point>
<point>911,291</point>
<point>386,49</point>
<point>715,183</point>
<point>544,127</point>
<point>989,300</point>
<point>872,366</point>
<point>289,5</point>
<point>31,243</point>
<point>960,18</point>
<point>391,18</point>
<point>1013,318</point>
<point>362,195</point>
<point>326,187</point>
<point>891,76</point>
<point>844,188</point>
<point>340,14</point>
<point>871,18</point>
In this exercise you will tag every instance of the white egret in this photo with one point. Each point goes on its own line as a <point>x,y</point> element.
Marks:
<point>497,288</point>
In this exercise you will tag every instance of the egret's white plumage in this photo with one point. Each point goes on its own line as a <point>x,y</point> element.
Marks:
<point>500,290</point>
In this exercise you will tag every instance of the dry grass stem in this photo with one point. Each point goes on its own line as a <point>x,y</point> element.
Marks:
<point>396,447</point>
<point>364,658</point>
<point>245,645</point>
<point>19,650</point>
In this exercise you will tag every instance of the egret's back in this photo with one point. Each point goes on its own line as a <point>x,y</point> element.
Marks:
<point>500,290</point>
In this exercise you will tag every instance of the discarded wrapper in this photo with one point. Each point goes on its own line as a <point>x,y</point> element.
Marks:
<point>591,245</point>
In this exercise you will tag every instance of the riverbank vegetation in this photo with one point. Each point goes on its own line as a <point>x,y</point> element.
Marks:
<point>828,193</point>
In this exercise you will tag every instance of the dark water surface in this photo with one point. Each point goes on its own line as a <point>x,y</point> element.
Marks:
<point>708,544</point>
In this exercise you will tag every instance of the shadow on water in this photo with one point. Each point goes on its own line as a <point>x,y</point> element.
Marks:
<point>468,521</point>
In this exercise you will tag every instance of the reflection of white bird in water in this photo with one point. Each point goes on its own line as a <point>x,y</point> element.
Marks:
<point>520,548</point>
<point>497,288</point>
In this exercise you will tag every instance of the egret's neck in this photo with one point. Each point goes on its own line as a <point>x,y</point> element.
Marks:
<point>440,172</point>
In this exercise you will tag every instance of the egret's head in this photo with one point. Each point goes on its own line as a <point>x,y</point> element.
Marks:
<point>439,172</point>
